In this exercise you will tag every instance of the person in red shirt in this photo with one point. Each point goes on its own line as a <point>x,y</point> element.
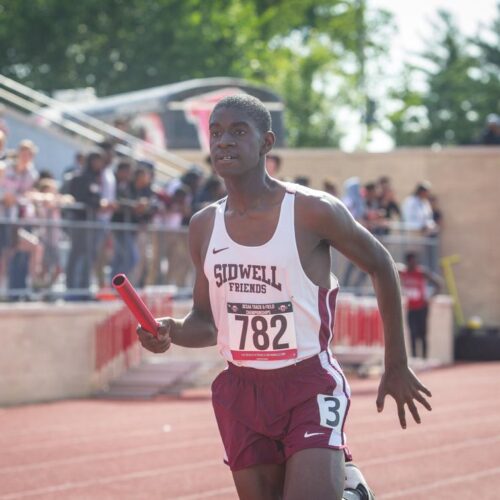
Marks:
<point>414,281</point>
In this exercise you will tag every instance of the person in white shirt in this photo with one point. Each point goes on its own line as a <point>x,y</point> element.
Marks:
<point>417,211</point>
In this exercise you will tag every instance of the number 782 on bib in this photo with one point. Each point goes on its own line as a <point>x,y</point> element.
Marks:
<point>264,332</point>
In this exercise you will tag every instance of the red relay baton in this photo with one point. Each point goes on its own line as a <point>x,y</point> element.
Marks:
<point>137,307</point>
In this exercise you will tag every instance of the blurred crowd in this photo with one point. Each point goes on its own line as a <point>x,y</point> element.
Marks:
<point>114,217</point>
<point>113,214</point>
<point>375,206</point>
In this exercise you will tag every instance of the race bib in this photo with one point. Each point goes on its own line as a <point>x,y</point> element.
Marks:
<point>263,332</point>
<point>413,293</point>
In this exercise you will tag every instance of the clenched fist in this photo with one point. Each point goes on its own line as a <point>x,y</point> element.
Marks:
<point>159,343</point>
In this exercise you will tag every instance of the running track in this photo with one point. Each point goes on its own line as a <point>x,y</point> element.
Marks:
<point>90,449</point>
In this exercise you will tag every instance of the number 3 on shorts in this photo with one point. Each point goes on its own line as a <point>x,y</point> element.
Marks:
<point>332,413</point>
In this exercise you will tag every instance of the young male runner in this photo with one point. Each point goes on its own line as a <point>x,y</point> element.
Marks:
<point>265,295</point>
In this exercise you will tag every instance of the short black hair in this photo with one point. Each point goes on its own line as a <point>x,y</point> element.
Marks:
<point>411,256</point>
<point>107,145</point>
<point>252,106</point>
<point>124,165</point>
<point>422,187</point>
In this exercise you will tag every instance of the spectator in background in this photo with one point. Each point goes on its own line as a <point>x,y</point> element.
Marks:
<point>414,281</point>
<point>373,215</point>
<point>212,190</point>
<point>353,200</point>
<point>3,123</point>
<point>176,243</point>
<point>104,240</point>
<point>71,170</point>
<point>3,151</point>
<point>4,229</point>
<point>302,180</point>
<point>192,179</point>
<point>86,191</point>
<point>387,202</point>
<point>273,165</point>
<point>125,249</point>
<point>19,179</point>
<point>76,167</point>
<point>48,202</point>
<point>21,174</point>
<point>330,187</point>
<point>417,211</point>
<point>437,213</point>
<point>491,133</point>
<point>145,206</point>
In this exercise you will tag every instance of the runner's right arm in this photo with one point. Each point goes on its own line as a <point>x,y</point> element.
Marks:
<point>197,329</point>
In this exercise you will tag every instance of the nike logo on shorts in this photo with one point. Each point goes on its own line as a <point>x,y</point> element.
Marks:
<point>214,251</point>
<point>311,434</point>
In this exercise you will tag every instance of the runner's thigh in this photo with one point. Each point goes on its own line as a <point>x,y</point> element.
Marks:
<point>315,473</point>
<point>260,482</point>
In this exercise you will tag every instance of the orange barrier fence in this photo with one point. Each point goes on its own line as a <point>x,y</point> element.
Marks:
<point>358,322</point>
<point>116,334</point>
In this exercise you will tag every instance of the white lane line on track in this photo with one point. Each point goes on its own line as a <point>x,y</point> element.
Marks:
<point>108,480</point>
<point>406,493</point>
<point>431,451</point>
<point>55,442</point>
<point>89,438</point>
<point>386,416</point>
<point>213,440</point>
<point>109,455</point>
<point>429,428</point>
<point>358,441</point>
<point>41,429</point>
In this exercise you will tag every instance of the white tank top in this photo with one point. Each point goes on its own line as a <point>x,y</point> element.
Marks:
<point>268,313</point>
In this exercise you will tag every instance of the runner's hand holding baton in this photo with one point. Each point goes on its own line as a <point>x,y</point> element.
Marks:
<point>153,335</point>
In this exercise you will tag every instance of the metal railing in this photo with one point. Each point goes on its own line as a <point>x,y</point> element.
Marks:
<point>72,256</point>
<point>399,241</point>
<point>69,119</point>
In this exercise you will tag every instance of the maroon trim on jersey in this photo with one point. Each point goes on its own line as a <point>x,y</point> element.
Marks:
<point>344,390</point>
<point>326,302</point>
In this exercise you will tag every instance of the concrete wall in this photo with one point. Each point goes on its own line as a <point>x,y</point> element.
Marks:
<point>48,351</point>
<point>467,182</point>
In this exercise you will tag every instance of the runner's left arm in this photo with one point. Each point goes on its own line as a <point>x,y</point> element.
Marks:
<point>334,223</point>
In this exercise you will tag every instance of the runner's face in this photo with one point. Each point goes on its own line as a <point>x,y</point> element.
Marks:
<point>236,144</point>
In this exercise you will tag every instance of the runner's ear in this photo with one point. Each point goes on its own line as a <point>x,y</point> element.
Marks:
<point>268,140</point>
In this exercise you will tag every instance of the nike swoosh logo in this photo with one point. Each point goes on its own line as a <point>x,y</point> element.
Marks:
<point>308,435</point>
<point>214,251</point>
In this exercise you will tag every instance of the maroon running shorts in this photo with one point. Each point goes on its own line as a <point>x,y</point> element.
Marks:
<point>265,416</point>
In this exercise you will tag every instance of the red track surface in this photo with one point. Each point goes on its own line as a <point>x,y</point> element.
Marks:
<point>171,449</point>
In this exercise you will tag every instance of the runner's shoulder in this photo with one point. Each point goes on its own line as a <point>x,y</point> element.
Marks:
<point>204,218</point>
<point>200,229</point>
<point>316,206</point>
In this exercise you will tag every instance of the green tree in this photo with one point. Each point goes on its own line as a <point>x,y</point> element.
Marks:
<point>123,45</point>
<point>459,90</point>
<point>488,68</point>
